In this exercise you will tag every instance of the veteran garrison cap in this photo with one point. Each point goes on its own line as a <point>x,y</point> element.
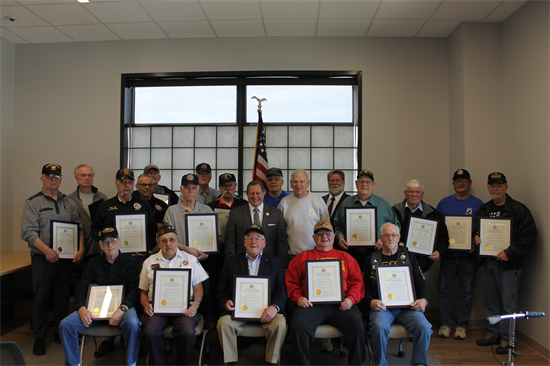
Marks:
<point>496,177</point>
<point>323,224</point>
<point>49,169</point>
<point>203,167</point>
<point>189,178</point>
<point>165,229</point>
<point>227,178</point>
<point>254,227</point>
<point>366,173</point>
<point>149,167</point>
<point>274,171</point>
<point>108,232</point>
<point>461,173</point>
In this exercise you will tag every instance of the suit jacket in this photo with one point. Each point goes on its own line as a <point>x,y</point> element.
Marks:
<point>237,265</point>
<point>273,225</point>
<point>326,197</point>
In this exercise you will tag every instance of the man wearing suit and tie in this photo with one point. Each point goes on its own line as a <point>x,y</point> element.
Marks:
<point>269,218</point>
<point>336,184</point>
<point>253,262</point>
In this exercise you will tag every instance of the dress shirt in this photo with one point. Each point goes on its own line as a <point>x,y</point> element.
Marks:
<point>260,212</point>
<point>254,264</point>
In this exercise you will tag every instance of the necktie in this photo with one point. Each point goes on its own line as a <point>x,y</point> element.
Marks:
<point>330,206</point>
<point>256,216</point>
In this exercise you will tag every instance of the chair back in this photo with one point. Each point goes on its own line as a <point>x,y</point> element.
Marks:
<point>11,354</point>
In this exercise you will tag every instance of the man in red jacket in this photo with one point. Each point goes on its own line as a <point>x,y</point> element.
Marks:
<point>345,316</point>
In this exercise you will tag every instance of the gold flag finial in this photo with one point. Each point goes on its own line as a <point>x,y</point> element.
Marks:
<point>259,103</point>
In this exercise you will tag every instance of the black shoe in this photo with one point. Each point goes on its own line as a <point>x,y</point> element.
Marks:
<point>502,349</point>
<point>39,348</point>
<point>105,348</point>
<point>487,341</point>
<point>56,338</point>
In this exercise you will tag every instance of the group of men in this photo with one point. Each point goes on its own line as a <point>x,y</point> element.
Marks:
<point>273,233</point>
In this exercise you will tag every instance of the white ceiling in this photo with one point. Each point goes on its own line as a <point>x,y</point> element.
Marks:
<point>47,21</point>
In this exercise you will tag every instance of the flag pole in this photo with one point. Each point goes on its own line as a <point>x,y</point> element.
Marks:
<point>260,154</point>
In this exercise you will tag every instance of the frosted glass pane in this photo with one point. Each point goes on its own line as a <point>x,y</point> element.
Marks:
<point>322,136</point>
<point>184,136</point>
<point>344,158</point>
<point>322,158</point>
<point>139,158</point>
<point>166,178</point>
<point>183,159</point>
<point>205,137</point>
<point>277,136</point>
<point>343,136</point>
<point>161,158</point>
<point>299,136</point>
<point>319,181</point>
<point>247,177</point>
<point>250,136</point>
<point>228,159</point>
<point>299,158</point>
<point>228,136</point>
<point>277,158</point>
<point>176,179</point>
<point>350,181</point>
<point>140,137</point>
<point>161,137</point>
<point>286,177</point>
<point>205,156</point>
<point>248,158</point>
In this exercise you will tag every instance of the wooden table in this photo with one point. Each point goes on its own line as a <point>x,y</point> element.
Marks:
<point>14,261</point>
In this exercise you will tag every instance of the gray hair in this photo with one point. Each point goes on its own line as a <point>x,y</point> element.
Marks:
<point>415,183</point>
<point>83,166</point>
<point>299,172</point>
<point>389,224</point>
<point>337,171</point>
<point>145,175</point>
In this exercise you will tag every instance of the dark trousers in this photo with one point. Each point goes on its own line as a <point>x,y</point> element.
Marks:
<point>183,332</point>
<point>47,279</point>
<point>306,320</point>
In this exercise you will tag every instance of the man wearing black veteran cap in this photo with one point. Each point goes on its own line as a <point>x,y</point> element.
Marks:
<point>253,262</point>
<point>274,183</point>
<point>501,272</point>
<point>154,172</point>
<point>50,275</point>
<point>227,186</point>
<point>206,193</point>
<point>108,268</point>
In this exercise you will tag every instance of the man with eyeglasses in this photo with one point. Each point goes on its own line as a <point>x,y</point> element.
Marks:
<point>336,183</point>
<point>108,268</point>
<point>365,197</point>
<point>206,194</point>
<point>159,189</point>
<point>253,262</point>
<point>50,274</point>
<point>144,190</point>
<point>227,184</point>
<point>382,316</point>
<point>274,185</point>
<point>456,264</point>
<point>501,272</point>
<point>345,316</point>
<point>414,206</point>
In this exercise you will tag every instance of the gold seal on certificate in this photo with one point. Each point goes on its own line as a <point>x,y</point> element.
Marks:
<point>460,231</point>
<point>252,296</point>
<point>171,290</point>
<point>395,285</point>
<point>324,281</point>
<point>421,236</point>
<point>65,237</point>
<point>495,234</point>
<point>104,300</point>
<point>202,232</point>
<point>361,226</point>
<point>132,230</point>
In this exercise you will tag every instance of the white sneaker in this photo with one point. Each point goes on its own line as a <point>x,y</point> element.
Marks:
<point>327,345</point>
<point>460,333</point>
<point>444,331</point>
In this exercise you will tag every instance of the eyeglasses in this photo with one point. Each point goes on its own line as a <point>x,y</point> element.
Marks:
<point>415,192</point>
<point>320,234</point>
<point>365,181</point>
<point>387,236</point>
<point>145,184</point>
<point>257,238</point>
<point>496,185</point>
<point>112,241</point>
<point>457,181</point>
<point>52,176</point>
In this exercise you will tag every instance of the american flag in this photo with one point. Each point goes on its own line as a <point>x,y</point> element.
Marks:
<point>260,153</point>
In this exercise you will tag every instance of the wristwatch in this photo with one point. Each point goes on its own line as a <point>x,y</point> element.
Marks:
<point>123,308</point>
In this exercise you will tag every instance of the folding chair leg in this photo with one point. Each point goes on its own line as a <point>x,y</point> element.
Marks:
<point>82,349</point>
<point>401,353</point>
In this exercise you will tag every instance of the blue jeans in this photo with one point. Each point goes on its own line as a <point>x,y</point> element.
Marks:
<point>500,293</point>
<point>414,321</point>
<point>465,269</point>
<point>71,325</point>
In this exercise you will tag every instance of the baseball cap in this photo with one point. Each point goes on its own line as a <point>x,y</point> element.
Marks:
<point>274,171</point>
<point>203,167</point>
<point>125,173</point>
<point>461,173</point>
<point>254,227</point>
<point>189,178</point>
<point>496,177</point>
<point>367,173</point>
<point>323,224</point>
<point>49,169</point>
<point>149,167</point>
<point>108,232</point>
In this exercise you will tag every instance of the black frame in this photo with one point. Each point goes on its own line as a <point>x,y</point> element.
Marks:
<point>471,231</point>
<point>340,263</point>
<point>268,289</point>
<point>412,284</point>
<point>510,226</point>
<point>216,235</point>
<point>189,284</point>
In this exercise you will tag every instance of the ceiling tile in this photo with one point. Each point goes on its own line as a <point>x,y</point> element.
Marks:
<point>118,12</point>
<point>338,9</point>
<point>466,10</point>
<point>394,28</point>
<point>438,28</point>
<point>406,9</point>
<point>286,9</point>
<point>88,33</point>
<point>506,9</point>
<point>11,37</point>
<point>342,27</point>
<point>137,30</point>
<point>192,29</point>
<point>292,28</point>
<point>42,2</point>
<point>25,18</point>
<point>66,14</point>
<point>242,28</point>
<point>41,34</point>
<point>171,11</point>
<point>230,10</point>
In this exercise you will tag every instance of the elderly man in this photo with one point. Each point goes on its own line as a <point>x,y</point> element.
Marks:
<point>158,189</point>
<point>364,198</point>
<point>414,206</point>
<point>345,316</point>
<point>110,268</point>
<point>501,272</point>
<point>269,218</point>
<point>184,324</point>
<point>274,185</point>
<point>301,210</point>
<point>144,190</point>
<point>50,275</point>
<point>336,183</point>
<point>253,262</point>
<point>457,264</point>
<point>206,194</point>
<point>228,187</point>
<point>381,316</point>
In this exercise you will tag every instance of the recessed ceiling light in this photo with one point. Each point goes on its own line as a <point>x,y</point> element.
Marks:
<point>83,1</point>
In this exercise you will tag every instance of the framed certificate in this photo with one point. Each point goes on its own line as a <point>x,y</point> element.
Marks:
<point>163,197</point>
<point>361,226</point>
<point>202,232</point>
<point>421,236</point>
<point>495,234</point>
<point>324,281</point>
<point>223,215</point>
<point>252,296</point>
<point>171,291</point>
<point>460,231</point>
<point>132,230</point>
<point>395,286</point>
<point>65,236</point>
<point>104,300</point>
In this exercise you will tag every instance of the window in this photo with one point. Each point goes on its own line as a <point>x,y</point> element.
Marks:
<point>179,120</point>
